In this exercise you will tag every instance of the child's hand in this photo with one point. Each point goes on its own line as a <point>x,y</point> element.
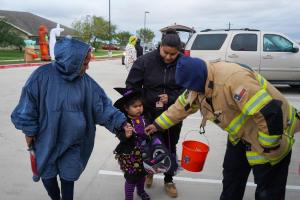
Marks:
<point>29,140</point>
<point>128,130</point>
<point>163,98</point>
<point>150,129</point>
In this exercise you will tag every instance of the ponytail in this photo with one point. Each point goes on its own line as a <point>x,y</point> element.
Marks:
<point>171,38</point>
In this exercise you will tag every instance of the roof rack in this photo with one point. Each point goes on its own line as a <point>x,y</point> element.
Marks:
<point>241,29</point>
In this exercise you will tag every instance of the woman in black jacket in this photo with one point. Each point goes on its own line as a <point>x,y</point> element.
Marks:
<point>155,73</point>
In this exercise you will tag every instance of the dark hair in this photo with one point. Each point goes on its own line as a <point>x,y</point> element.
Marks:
<point>171,38</point>
<point>132,100</point>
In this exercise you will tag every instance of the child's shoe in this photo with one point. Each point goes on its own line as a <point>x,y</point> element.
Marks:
<point>144,195</point>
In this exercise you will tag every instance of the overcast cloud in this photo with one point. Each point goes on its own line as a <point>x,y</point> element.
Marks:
<point>269,15</point>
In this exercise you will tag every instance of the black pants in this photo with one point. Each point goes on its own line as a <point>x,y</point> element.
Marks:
<point>171,138</point>
<point>67,189</point>
<point>270,180</point>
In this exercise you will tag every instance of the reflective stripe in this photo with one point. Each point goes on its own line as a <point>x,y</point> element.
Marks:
<point>236,124</point>
<point>292,121</point>
<point>182,99</point>
<point>233,139</point>
<point>268,140</point>
<point>164,121</point>
<point>289,133</point>
<point>262,81</point>
<point>254,158</point>
<point>256,102</point>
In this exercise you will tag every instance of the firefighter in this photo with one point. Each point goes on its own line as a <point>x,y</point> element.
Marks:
<point>259,121</point>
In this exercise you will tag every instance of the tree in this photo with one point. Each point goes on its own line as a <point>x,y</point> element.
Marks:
<point>145,34</point>
<point>94,30</point>
<point>9,36</point>
<point>122,37</point>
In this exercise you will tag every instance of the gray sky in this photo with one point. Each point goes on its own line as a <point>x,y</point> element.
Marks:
<point>269,15</point>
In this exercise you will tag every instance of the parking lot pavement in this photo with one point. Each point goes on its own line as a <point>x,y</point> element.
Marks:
<point>102,178</point>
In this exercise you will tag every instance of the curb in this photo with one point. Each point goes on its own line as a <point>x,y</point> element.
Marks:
<point>8,66</point>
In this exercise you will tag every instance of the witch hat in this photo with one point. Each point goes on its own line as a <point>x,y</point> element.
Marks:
<point>127,94</point>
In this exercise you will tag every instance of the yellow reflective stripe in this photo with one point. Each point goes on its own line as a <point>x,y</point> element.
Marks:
<point>262,82</point>
<point>236,124</point>
<point>268,140</point>
<point>290,142</point>
<point>255,158</point>
<point>164,121</point>
<point>181,100</point>
<point>233,139</point>
<point>256,102</point>
<point>292,120</point>
<point>290,139</point>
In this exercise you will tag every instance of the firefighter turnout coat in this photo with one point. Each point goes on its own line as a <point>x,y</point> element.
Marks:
<point>244,104</point>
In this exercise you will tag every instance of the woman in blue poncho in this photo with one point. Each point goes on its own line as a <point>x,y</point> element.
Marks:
<point>58,111</point>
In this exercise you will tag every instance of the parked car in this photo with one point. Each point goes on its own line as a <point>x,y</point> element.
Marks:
<point>273,55</point>
<point>112,47</point>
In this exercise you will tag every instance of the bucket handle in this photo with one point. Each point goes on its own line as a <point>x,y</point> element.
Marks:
<point>201,132</point>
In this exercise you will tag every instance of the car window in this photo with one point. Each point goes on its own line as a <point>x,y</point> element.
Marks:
<point>277,43</point>
<point>244,42</point>
<point>209,42</point>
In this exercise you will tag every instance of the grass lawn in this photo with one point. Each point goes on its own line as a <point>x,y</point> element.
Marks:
<point>15,56</point>
<point>11,55</point>
<point>105,52</point>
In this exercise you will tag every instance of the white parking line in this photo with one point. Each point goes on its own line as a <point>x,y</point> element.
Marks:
<point>197,118</point>
<point>187,179</point>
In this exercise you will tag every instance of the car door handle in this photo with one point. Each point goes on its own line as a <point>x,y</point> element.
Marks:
<point>268,57</point>
<point>233,56</point>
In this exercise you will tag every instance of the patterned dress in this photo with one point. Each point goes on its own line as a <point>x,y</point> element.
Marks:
<point>128,152</point>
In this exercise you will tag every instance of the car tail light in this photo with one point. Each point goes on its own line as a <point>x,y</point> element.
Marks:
<point>187,53</point>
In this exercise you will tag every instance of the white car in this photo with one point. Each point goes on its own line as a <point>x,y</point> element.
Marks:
<point>273,55</point>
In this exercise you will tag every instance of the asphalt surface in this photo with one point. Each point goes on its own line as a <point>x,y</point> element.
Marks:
<point>102,179</point>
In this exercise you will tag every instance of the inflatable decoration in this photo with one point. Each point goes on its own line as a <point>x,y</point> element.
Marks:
<point>55,32</point>
<point>43,42</point>
<point>29,53</point>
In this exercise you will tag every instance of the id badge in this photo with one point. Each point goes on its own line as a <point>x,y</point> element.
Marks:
<point>159,104</point>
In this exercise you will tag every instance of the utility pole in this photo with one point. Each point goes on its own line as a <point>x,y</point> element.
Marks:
<point>109,31</point>
<point>144,38</point>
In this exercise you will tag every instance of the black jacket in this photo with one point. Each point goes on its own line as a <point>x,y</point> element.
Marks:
<point>139,50</point>
<point>155,77</point>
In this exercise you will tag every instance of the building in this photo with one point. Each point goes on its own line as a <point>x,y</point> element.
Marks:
<point>27,24</point>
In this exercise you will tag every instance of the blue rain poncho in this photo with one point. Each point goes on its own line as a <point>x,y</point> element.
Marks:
<point>60,108</point>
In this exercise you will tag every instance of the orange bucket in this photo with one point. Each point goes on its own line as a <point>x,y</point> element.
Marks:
<point>193,155</point>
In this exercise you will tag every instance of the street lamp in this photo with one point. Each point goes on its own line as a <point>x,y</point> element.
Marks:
<point>146,12</point>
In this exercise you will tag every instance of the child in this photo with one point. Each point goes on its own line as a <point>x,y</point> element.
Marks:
<point>139,154</point>
<point>128,151</point>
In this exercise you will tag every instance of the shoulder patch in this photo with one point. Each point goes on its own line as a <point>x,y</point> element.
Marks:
<point>239,94</point>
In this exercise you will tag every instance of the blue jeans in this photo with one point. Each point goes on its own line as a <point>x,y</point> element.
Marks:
<point>67,189</point>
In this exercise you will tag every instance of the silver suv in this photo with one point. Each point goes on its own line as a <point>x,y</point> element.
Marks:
<point>273,55</point>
